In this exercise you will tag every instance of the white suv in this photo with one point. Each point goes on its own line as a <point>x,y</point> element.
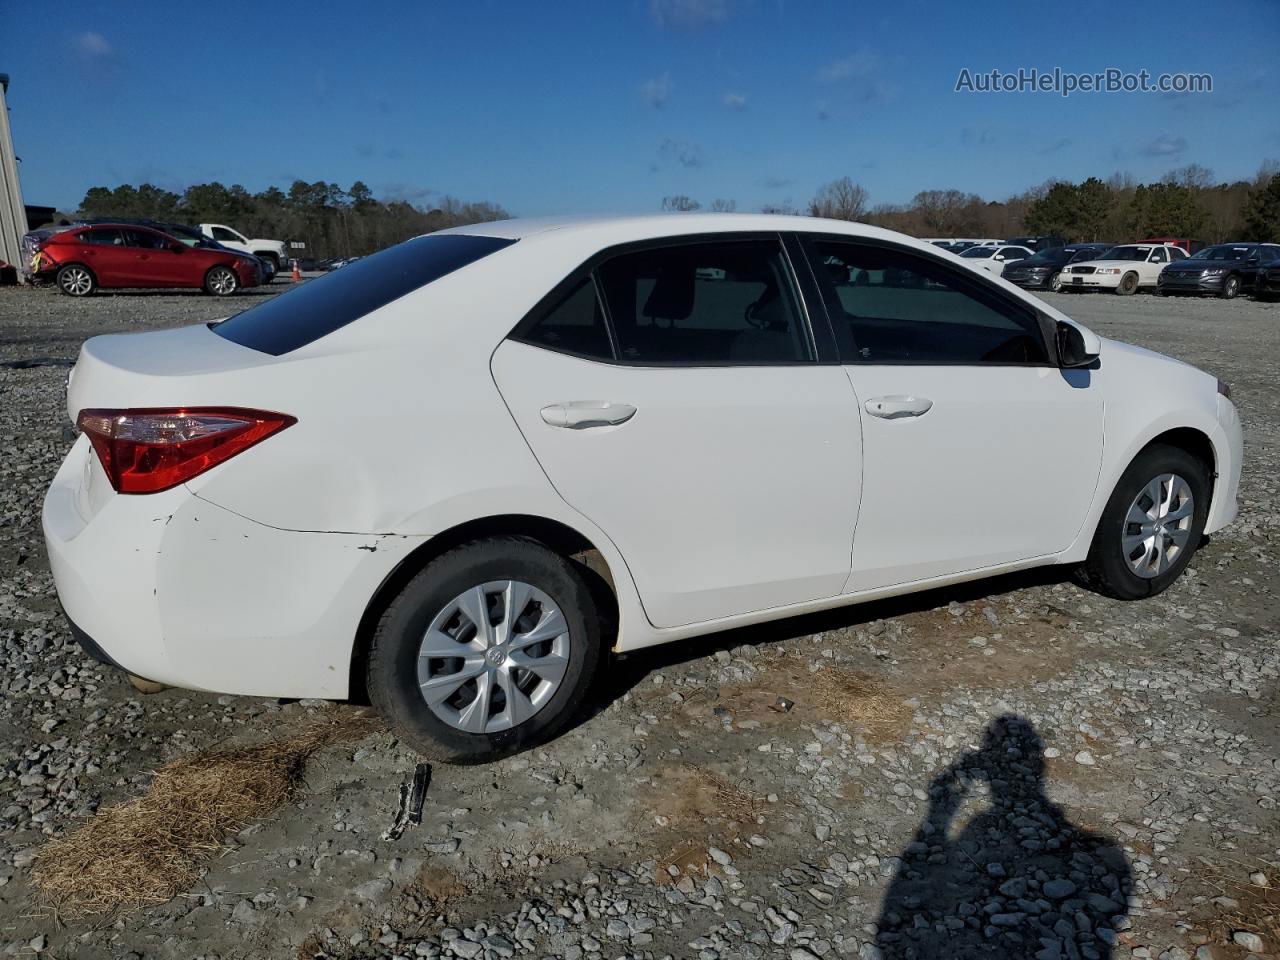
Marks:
<point>457,472</point>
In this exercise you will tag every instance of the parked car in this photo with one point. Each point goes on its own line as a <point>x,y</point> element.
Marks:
<point>81,259</point>
<point>1267,284</point>
<point>488,507</point>
<point>1126,269</point>
<point>1187,246</point>
<point>1037,243</point>
<point>273,250</point>
<point>1043,271</point>
<point>191,236</point>
<point>1225,269</point>
<point>994,259</point>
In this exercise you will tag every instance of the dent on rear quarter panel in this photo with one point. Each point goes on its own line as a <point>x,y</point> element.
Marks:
<point>292,614</point>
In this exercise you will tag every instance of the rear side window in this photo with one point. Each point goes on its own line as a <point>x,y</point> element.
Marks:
<point>321,306</point>
<point>103,238</point>
<point>705,303</point>
<point>891,306</point>
<point>574,325</point>
<point>144,239</point>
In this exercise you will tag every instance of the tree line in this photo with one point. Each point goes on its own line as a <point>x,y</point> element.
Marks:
<point>331,221</point>
<point>1184,203</point>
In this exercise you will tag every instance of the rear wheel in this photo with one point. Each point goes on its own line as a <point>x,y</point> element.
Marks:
<point>490,649</point>
<point>1128,284</point>
<point>76,280</point>
<point>1230,287</point>
<point>1055,282</point>
<point>1151,526</point>
<point>221,282</point>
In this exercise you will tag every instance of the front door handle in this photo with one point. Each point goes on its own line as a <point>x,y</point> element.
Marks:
<point>891,408</point>
<point>582,414</point>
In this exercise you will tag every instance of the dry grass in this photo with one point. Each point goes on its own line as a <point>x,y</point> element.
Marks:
<point>145,851</point>
<point>847,696</point>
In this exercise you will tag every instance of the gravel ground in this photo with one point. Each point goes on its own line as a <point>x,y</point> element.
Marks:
<point>1012,768</point>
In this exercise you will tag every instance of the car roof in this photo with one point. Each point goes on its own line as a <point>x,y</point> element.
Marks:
<point>639,226</point>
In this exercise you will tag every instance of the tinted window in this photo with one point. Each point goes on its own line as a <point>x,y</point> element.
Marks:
<point>730,302</point>
<point>319,307</point>
<point>222,233</point>
<point>892,306</point>
<point>574,325</point>
<point>144,239</point>
<point>1157,256</point>
<point>103,237</point>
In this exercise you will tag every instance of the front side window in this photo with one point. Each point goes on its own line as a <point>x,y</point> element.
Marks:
<point>1157,256</point>
<point>144,239</point>
<point>705,303</point>
<point>222,233</point>
<point>892,306</point>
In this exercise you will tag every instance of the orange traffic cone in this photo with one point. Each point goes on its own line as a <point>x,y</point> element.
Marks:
<point>297,274</point>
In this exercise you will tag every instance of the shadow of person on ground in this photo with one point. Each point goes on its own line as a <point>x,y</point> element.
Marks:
<point>1019,880</point>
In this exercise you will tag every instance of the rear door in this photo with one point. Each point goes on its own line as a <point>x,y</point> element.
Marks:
<point>675,395</point>
<point>103,250</point>
<point>978,451</point>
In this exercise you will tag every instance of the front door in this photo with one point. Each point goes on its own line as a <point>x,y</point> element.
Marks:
<point>978,452</point>
<point>695,426</point>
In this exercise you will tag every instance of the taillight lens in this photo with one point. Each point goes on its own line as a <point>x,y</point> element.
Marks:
<point>146,451</point>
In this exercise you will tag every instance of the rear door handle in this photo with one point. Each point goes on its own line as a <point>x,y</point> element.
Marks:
<point>891,408</point>
<point>582,414</point>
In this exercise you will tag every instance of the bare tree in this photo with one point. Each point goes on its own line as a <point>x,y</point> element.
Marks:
<point>839,200</point>
<point>783,209</point>
<point>723,206</point>
<point>680,204</point>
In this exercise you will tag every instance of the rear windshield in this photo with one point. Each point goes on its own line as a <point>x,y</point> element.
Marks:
<point>321,306</point>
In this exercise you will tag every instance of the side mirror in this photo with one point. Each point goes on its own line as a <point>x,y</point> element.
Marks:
<point>1072,349</point>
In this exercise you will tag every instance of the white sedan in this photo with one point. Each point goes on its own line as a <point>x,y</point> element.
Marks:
<point>457,473</point>
<point>994,258</point>
<point>1126,269</point>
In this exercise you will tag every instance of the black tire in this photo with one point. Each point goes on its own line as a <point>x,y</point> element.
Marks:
<point>1128,285</point>
<point>76,280</point>
<point>1054,283</point>
<point>392,675</point>
<point>221,281</point>
<point>272,259</point>
<point>1107,570</point>
<point>1230,288</point>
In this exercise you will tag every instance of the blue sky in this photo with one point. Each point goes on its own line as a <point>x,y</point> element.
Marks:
<point>585,107</point>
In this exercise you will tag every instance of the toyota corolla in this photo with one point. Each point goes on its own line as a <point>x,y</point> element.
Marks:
<point>457,473</point>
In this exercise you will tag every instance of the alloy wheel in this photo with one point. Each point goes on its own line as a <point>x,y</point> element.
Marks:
<point>222,281</point>
<point>1157,527</point>
<point>76,281</point>
<point>493,656</point>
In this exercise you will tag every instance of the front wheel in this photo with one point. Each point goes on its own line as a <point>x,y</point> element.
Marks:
<point>1055,283</point>
<point>490,649</point>
<point>221,282</point>
<point>75,280</point>
<point>1230,287</point>
<point>1151,526</point>
<point>1128,284</point>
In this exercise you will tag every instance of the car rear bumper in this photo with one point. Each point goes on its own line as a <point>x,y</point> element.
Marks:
<point>175,589</point>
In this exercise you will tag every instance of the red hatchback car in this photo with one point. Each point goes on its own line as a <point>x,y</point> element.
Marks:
<point>81,259</point>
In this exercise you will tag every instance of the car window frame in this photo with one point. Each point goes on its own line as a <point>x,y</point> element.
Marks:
<point>1043,324</point>
<point>821,343</point>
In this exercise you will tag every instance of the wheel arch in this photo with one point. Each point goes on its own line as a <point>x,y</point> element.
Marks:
<point>553,534</point>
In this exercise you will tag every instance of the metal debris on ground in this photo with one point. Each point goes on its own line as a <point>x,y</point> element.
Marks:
<point>412,794</point>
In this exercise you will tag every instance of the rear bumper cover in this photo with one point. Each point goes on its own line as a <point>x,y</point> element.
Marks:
<point>178,590</point>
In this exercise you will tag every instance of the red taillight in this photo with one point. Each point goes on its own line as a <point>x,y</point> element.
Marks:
<point>146,451</point>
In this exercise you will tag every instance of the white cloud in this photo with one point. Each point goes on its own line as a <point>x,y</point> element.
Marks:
<point>735,101</point>
<point>1165,146</point>
<point>92,44</point>
<point>688,14</point>
<point>859,64</point>
<point>657,91</point>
